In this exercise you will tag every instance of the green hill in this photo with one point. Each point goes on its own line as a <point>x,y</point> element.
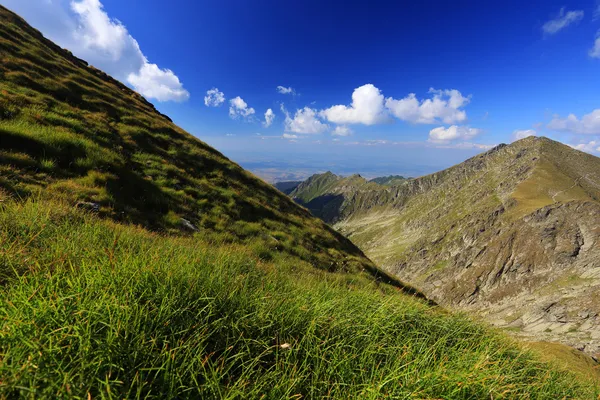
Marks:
<point>70,131</point>
<point>138,262</point>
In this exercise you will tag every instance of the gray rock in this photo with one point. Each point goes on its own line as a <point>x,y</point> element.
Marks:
<point>188,225</point>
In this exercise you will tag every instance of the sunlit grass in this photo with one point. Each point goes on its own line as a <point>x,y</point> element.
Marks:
<point>90,307</point>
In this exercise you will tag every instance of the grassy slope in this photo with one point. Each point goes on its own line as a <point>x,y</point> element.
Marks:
<point>114,311</point>
<point>96,307</point>
<point>72,132</point>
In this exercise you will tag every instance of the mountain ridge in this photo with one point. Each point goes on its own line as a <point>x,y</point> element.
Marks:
<point>138,262</point>
<point>458,235</point>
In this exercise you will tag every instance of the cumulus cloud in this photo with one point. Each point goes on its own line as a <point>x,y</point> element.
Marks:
<point>452,133</point>
<point>342,130</point>
<point>563,20</point>
<point>305,121</point>
<point>214,98</point>
<point>239,108</point>
<point>589,147</point>
<point>269,117</point>
<point>84,27</point>
<point>595,50</point>
<point>289,136</point>
<point>286,90</point>
<point>522,134</point>
<point>588,124</point>
<point>367,108</point>
<point>445,106</point>
<point>159,84</point>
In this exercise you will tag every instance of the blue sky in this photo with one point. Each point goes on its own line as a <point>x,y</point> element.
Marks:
<point>372,87</point>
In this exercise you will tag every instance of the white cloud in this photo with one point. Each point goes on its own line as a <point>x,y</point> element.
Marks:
<point>269,117</point>
<point>286,90</point>
<point>84,27</point>
<point>590,147</point>
<point>214,98</point>
<point>305,121</point>
<point>588,124</point>
<point>159,84</point>
<point>230,134</point>
<point>563,20</point>
<point>522,134</point>
<point>595,50</point>
<point>445,135</point>
<point>445,106</point>
<point>239,108</point>
<point>367,108</point>
<point>341,130</point>
<point>289,136</point>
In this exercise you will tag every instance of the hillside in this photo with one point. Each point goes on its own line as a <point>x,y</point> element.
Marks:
<point>333,198</point>
<point>138,262</point>
<point>390,180</point>
<point>512,234</point>
<point>70,131</point>
<point>287,187</point>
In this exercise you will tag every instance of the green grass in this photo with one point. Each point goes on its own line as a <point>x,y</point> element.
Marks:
<point>94,308</point>
<point>69,131</point>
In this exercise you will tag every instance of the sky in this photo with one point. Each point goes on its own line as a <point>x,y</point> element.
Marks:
<point>292,88</point>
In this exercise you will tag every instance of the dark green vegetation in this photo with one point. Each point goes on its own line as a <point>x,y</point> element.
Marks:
<point>107,293</point>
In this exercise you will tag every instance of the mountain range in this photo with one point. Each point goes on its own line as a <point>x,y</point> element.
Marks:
<point>512,235</point>
<point>136,261</point>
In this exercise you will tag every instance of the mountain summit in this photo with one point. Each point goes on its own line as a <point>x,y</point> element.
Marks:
<point>512,234</point>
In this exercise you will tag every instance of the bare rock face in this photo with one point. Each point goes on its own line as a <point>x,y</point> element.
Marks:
<point>512,235</point>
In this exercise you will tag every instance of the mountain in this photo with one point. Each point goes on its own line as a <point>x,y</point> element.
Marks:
<point>287,187</point>
<point>333,198</point>
<point>70,131</point>
<point>138,262</point>
<point>511,234</point>
<point>390,180</point>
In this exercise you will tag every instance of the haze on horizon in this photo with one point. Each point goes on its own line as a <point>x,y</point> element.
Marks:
<point>288,90</point>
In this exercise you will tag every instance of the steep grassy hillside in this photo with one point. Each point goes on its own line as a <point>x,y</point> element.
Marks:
<point>512,234</point>
<point>70,131</point>
<point>104,310</point>
<point>137,262</point>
